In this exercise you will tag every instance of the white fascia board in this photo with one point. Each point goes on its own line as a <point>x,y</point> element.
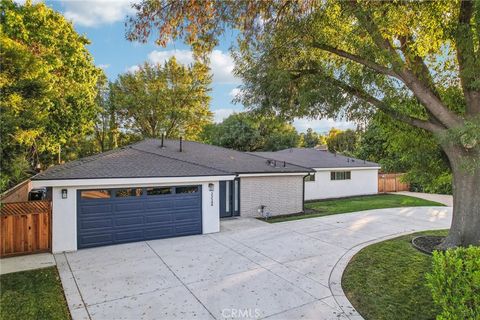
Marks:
<point>347,168</point>
<point>126,181</point>
<point>244,175</point>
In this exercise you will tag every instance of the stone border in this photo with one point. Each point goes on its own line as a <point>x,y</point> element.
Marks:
<point>335,279</point>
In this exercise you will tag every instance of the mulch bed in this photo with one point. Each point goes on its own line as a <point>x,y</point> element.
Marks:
<point>427,244</point>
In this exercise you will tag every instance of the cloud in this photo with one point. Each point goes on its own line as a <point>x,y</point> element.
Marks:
<point>182,56</point>
<point>103,66</point>
<point>132,69</point>
<point>92,13</point>
<point>22,2</point>
<point>321,125</point>
<point>221,63</point>
<point>235,92</point>
<point>221,114</point>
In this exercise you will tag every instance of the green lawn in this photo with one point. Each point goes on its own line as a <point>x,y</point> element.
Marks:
<point>387,281</point>
<point>328,207</point>
<point>35,294</point>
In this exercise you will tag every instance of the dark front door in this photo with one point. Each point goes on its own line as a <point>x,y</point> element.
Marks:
<point>110,216</point>
<point>229,198</point>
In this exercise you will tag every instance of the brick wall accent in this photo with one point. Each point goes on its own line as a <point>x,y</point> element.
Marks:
<point>281,195</point>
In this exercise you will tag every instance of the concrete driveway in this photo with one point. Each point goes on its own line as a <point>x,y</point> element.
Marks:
<point>250,269</point>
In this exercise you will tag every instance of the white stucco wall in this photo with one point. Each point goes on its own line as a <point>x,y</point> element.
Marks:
<point>281,194</point>
<point>64,211</point>
<point>362,182</point>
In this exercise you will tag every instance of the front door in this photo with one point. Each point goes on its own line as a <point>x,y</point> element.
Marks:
<point>229,198</point>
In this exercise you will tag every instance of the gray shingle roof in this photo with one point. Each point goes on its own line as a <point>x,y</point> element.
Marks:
<point>148,159</point>
<point>312,158</point>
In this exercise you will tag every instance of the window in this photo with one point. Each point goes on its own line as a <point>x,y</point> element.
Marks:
<point>95,194</point>
<point>235,194</point>
<point>189,189</point>
<point>124,193</point>
<point>158,191</point>
<point>310,177</point>
<point>340,175</point>
<point>227,196</point>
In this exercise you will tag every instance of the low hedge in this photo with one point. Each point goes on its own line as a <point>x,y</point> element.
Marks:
<point>455,283</point>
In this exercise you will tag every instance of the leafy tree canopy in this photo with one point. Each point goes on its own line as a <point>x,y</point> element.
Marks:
<point>48,84</point>
<point>344,142</point>
<point>171,98</point>
<point>250,132</point>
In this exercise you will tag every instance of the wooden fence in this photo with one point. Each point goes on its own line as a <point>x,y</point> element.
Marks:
<point>391,182</point>
<point>25,227</point>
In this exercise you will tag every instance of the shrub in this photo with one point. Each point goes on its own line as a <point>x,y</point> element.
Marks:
<point>455,283</point>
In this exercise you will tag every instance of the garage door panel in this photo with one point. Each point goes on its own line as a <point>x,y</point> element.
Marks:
<point>153,203</point>
<point>131,206</point>
<point>187,229</point>
<point>126,219</point>
<point>96,239</point>
<point>163,218</point>
<point>186,216</point>
<point>159,232</point>
<point>129,235</point>
<point>187,203</point>
<point>96,224</point>
<point>129,221</point>
<point>95,209</point>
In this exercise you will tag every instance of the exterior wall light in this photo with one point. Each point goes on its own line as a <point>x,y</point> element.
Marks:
<point>211,187</point>
<point>64,193</point>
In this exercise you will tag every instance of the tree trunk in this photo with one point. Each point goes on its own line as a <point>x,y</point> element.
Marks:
<point>465,227</point>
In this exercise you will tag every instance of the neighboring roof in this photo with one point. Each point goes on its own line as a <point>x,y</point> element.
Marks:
<point>147,159</point>
<point>312,158</point>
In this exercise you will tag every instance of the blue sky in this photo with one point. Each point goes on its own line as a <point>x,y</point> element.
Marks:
<point>102,21</point>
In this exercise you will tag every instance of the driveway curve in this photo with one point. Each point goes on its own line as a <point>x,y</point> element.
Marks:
<point>249,270</point>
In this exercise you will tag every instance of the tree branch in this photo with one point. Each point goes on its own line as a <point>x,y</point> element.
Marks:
<point>382,106</point>
<point>370,64</point>
<point>379,104</point>
<point>423,93</point>
<point>469,66</point>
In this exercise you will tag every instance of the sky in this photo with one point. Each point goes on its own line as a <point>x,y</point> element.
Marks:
<point>103,23</point>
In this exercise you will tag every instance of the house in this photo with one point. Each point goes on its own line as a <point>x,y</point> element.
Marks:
<point>154,189</point>
<point>335,175</point>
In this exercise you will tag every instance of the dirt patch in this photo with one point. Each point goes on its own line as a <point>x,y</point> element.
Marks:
<point>427,244</point>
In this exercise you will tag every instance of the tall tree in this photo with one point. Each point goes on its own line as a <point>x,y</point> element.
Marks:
<point>169,98</point>
<point>48,84</point>
<point>251,132</point>
<point>107,131</point>
<point>344,142</point>
<point>311,138</point>
<point>417,62</point>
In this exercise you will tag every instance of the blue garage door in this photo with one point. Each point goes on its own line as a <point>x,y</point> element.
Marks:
<point>110,216</point>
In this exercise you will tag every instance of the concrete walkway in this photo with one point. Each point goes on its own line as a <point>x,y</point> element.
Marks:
<point>28,262</point>
<point>249,270</point>
<point>445,199</point>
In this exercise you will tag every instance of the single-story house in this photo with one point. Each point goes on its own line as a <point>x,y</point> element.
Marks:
<point>334,175</point>
<point>154,189</point>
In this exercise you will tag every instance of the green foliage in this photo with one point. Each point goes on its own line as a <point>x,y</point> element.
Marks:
<point>400,148</point>
<point>249,132</point>
<point>455,283</point>
<point>344,142</point>
<point>48,84</point>
<point>311,139</point>
<point>170,98</point>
